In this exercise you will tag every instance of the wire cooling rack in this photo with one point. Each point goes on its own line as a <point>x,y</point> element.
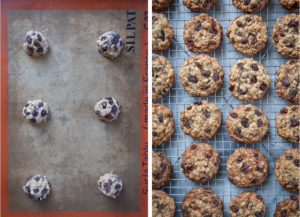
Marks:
<point>177,99</point>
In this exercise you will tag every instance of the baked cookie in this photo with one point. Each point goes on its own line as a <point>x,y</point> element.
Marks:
<point>110,185</point>
<point>291,5</point>
<point>201,120</point>
<point>162,76</point>
<point>288,207</point>
<point>202,202</point>
<point>162,204</point>
<point>107,109</point>
<point>247,124</point>
<point>162,124</point>
<point>36,111</point>
<point>202,33</point>
<point>200,162</point>
<point>287,123</point>
<point>160,5</point>
<point>248,34</point>
<point>287,170</point>
<point>248,80</point>
<point>199,5</point>
<point>162,32</point>
<point>250,6</point>
<point>161,169</point>
<point>201,75</point>
<point>37,187</point>
<point>288,81</point>
<point>286,36</point>
<point>247,167</point>
<point>36,44</point>
<point>110,44</point>
<point>247,203</point>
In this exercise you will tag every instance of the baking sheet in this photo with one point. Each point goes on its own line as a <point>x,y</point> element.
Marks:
<point>73,148</point>
<point>272,145</point>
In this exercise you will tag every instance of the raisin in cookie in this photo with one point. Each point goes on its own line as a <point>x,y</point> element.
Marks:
<point>162,204</point>
<point>288,207</point>
<point>202,33</point>
<point>287,170</point>
<point>162,76</point>
<point>287,123</point>
<point>247,203</point>
<point>248,34</point>
<point>247,124</point>
<point>160,5</point>
<point>288,81</point>
<point>250,6</point>
<point>199,5</point>
<point>36,44</point>
<point>248,80</point>
<point>286,36</point>
<point>201,75</point>
<point>200,162</point>
<point>291,5</point>
<point>162,124</point>
<point>161,169</point>
<point>201,120</point>
<point>247,167</point>
<point>202,202</point>
<point>162,32</point>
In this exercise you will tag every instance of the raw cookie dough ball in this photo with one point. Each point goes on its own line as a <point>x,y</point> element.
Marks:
<point>110,44</point>
<point>36,44</point>
<point>36,111</point>
<point>37,188</point>
<point>107,109</point>
<point>110,185</point>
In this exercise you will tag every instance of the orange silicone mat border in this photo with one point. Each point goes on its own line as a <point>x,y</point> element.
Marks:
<point>74,4</point>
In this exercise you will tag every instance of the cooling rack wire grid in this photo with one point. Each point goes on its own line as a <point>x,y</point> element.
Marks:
<point>177,99</point>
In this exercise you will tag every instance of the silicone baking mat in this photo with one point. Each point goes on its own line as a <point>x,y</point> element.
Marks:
<point>74,147</point>
<point>177,99</point>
